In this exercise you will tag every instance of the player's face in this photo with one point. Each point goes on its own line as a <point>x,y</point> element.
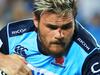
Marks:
<point>55,32</point>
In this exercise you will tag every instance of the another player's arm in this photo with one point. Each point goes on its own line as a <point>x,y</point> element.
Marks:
<point>10,64</point>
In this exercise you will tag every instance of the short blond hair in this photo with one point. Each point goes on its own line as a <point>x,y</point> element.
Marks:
<point>60,7</point>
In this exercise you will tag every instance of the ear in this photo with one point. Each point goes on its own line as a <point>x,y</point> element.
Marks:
<point>36,22</point>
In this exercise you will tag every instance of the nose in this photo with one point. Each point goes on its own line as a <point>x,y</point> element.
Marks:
<point>59,34</point>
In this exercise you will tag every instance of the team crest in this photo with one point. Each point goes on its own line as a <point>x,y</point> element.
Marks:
<point>20,50</point>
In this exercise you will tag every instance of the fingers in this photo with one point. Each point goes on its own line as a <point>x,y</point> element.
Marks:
<point>24,70</point>
<point>14,65</point>
<point>19,58</point>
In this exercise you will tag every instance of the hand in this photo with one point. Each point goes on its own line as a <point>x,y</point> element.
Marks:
<point>13,65</point>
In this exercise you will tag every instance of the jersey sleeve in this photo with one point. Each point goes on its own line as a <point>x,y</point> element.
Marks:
<point>85,39</point>
<point>13,29</point>
<point>4,48</point>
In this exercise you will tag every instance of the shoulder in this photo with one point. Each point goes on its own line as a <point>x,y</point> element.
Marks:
<point>20,27</point>
<point>84,38</point>
<point>13,29</point>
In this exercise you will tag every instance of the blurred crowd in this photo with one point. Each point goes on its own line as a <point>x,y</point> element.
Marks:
<point>14,10</point>
<point>88,13</point>
<point>89,16</point>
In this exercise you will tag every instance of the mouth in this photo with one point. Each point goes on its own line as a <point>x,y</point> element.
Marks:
<point>58,43</point>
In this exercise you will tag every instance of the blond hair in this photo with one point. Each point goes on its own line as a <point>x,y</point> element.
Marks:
<point>61,7</point>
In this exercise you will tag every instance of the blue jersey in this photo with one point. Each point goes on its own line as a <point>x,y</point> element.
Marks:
<point>21,38</point>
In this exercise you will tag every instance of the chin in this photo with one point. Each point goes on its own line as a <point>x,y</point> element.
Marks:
<point>57,52</point>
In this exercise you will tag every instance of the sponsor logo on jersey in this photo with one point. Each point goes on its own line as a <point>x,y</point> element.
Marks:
<point>83,43</point>
<point>1,43</point>
<point>18,31</point>
<point>2,72</point>
<point>93,70</point>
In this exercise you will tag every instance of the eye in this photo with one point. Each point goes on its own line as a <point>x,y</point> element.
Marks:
<point>53,27</point>
<point>67,26</point>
